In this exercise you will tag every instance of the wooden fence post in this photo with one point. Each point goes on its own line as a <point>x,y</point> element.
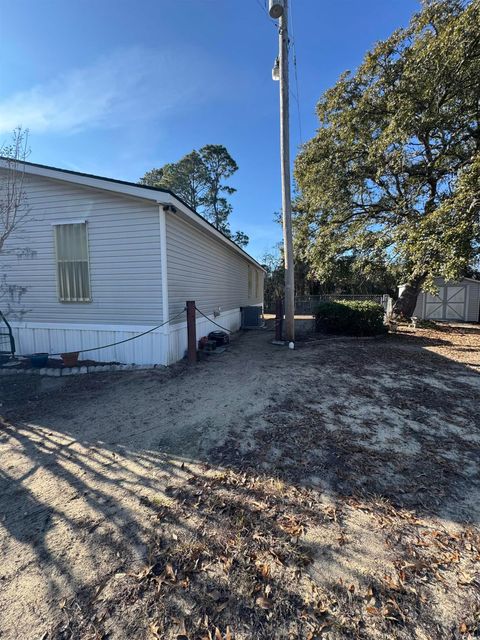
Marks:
<point>279,320</point>
<point>191,332</point>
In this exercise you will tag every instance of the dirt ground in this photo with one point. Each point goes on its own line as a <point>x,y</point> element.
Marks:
<point>327,492</point>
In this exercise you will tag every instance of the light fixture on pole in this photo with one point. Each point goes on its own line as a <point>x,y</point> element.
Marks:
<point>276,70</point>
<point>278,9</point>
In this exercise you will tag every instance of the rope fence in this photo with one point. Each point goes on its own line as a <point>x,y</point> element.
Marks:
<point>113,344</point>
<point>191,322</point>
<point>144,333</point>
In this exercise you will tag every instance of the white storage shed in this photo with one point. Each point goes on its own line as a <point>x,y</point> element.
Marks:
<point>454,301</point>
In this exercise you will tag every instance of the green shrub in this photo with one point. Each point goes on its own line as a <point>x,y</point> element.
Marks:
<point>351,317</point>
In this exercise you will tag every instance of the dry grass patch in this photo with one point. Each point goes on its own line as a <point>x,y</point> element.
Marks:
<point>458,342</point>
<point>235,555</point>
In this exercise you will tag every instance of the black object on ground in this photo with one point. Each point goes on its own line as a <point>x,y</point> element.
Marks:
<point>39,360</point>
<point>220,337</point>
<point>7,342</point>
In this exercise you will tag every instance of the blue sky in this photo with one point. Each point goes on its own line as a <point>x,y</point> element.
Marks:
<point>117,87</point>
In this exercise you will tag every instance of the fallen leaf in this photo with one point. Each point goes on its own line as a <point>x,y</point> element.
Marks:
<point>154,628</point>
<point>320,607</point>
<point>264,603</point>
<point>143,573</point>
<point>170,572</point>
<point>263,568</point>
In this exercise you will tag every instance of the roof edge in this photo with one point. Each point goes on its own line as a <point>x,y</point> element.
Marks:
<point>124,187</point>
<point>404,284</point>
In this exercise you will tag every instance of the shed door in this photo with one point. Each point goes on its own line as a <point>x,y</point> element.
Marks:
<point>448,304</point>
<point>455,303</point>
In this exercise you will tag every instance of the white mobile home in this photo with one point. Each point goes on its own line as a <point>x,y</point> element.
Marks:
<point>101,260</point>
<point>454,301</point>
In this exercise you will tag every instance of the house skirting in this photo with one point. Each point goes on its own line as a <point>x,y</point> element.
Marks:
<point>163,346</point>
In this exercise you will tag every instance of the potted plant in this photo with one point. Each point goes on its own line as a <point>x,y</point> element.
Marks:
<point>70,359</point>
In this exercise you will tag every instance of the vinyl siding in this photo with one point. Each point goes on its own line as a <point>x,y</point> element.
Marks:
<point>124,255</point>
<point>205,270</point>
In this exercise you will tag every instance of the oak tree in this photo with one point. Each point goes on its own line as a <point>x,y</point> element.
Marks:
<point>393,172</point>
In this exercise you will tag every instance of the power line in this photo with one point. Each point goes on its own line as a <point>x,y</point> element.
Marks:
<point>263,7</point>
<point>295,71</point>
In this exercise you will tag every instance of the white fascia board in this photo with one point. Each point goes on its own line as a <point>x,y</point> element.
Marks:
<point>455,281</point>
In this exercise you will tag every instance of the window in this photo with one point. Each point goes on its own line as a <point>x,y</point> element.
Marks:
<point>250,283</point>
<point>73,272</point>
<point>257,284</point>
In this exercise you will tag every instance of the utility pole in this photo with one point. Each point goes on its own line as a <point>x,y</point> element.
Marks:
<point>278,9</point>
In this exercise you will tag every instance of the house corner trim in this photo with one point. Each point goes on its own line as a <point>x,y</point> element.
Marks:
<point>163,262</point>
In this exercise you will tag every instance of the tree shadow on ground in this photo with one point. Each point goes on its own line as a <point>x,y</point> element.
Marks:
<point>366,436</point>
<point>439,334</point>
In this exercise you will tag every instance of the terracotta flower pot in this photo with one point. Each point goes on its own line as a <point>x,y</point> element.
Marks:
<point>70,359</point>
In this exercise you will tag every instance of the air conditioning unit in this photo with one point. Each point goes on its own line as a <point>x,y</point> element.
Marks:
<point>251,317</point>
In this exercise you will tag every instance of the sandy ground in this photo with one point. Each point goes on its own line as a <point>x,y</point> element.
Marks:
<point>337,483</point>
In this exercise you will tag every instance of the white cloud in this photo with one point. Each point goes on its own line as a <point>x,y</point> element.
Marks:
<point>125,86</point>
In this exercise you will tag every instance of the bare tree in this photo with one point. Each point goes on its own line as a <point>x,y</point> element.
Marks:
<point>14,212</point>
